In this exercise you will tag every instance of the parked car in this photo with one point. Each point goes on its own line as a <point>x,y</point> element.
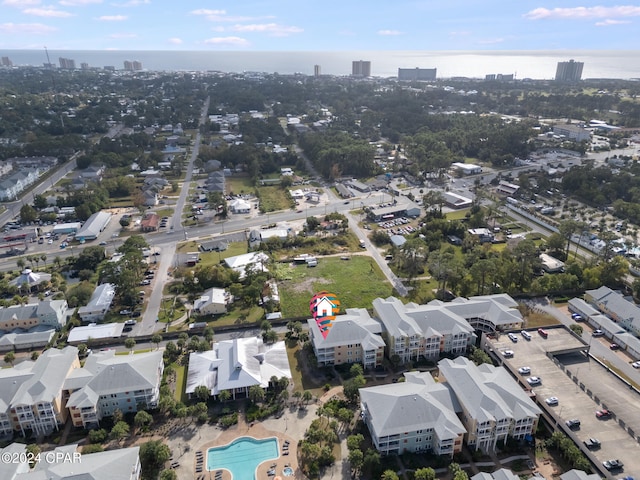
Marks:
<point>507,353</point>
<point>543,333</point>
<point>592,443</point>
<point>614,346</point>
<point>526,335</point>
<point>125,312</point>
<point>614,464</point>
<point>552,401</point>
<point>524,370</point>
<point>603,414</point>
<point>635,364</point>
<point>534,381</point>
<point>513,337</point>
<point>597,333</point>
<point>574,423</point>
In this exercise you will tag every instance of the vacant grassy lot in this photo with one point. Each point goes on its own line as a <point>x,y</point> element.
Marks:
<point>274,198</point>
<point>356,282</point>
<point>237,185</point>
<point>458,214</point>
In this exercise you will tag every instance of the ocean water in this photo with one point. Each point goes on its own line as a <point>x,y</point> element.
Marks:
<point>623,64</point>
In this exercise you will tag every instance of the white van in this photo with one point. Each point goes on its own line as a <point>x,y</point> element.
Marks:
<point>526,335</point>
<point>362,244</point>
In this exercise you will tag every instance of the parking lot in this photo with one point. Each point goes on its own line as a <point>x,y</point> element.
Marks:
<point>582,386</point>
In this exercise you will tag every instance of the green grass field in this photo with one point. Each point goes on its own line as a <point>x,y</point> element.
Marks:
<point>356,283</point>
<point>457,215</point>
<point>274,198</point>
<point>238,185</point>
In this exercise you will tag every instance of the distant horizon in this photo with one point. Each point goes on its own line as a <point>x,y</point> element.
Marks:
<point>535,64</point>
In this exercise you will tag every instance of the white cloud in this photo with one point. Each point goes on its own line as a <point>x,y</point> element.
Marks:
<point>20,3</point>
<point>28,28</point>
<point>207,12</point>
<point>232,41</point>
<point>584,12</point>
<point>460,33</point>
<point>389,33</point>
<point>608,22</point>
<point>272,29</point>
<point>47,12</point>
<point>175,41</point>
<point>123,35</point>
<point>219,28</point>
<point>113,18</point>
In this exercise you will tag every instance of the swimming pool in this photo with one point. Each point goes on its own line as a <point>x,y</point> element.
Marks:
<point>242,456</point>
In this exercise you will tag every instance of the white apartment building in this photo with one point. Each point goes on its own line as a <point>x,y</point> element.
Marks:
<point>412,331</point>
<point>492,405</point>
<point>109,382</point>
<point>413,416</point>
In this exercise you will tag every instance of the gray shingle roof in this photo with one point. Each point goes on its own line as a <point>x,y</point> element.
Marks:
<point>49,373</point>
<point>417,404</point>
<point>487,392</point>
<point>113,373</point>
<point>354,327</point>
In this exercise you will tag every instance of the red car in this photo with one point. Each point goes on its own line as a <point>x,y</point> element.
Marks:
<point>603,414</point>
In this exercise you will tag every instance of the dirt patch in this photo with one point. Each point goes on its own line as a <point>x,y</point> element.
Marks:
<point>307,285</point>
<point>547,468</point>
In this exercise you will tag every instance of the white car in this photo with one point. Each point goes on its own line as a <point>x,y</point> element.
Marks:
<point>636,364</point>
<point>551,401</point>
<point>507,353</point>
<point>534,381</point>
<point>524,370</point>
<point>597,333</point>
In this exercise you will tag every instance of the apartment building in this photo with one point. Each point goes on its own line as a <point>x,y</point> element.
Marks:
<point>109,382</point>
<point>31,394</point>
<point>48,313</point>
<point>413,331</point>
<point>67,463</point>
<point>352,338</point>
<point>417,415</point>
<point>491,404</point>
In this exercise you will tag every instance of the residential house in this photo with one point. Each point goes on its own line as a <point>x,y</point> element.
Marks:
<point>491,404</point>
<point>615,306</point>
<point>149,222</point>
<point>239,205</point>
<point>93,173</point>
<point>214,302</point>
<point>417,415</point>
<point>38,405</point>
<point>255,261</point>
<point>350,338</point>
<point>237,365</point>
<point>149,197</point>
<point>110,382</point>
<point>502,474</point>
<point>99,303</point>
<point>415,331</point>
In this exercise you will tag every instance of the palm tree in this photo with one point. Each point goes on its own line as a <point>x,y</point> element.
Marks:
<point>21,263</point>
<point>43,257</point>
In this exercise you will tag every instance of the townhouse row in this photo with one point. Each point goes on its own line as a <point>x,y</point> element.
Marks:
<point>39,396</point>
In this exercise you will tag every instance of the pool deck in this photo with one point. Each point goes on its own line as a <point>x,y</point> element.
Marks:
<point>259,430</point>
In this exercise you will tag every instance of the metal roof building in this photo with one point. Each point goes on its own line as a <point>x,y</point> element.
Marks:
<point>95,224</point>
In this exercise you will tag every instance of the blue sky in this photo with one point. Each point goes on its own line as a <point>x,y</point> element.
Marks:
<point>328,25</point>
